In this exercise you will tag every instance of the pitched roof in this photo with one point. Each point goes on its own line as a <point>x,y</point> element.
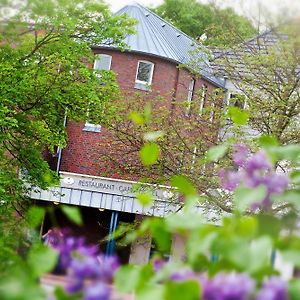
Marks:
<point>157,37</point>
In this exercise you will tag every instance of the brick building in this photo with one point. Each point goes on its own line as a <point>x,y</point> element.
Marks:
<point>150,66</point>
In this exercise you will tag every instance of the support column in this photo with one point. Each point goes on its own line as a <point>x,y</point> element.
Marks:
<point>178,247</point>
<point>110,247</point>
<point>140,248</point>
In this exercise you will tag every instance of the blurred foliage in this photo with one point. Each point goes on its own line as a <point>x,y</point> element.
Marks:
<point>223,27</point>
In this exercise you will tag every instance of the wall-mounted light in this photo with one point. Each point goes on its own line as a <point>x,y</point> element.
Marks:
<point>101,209</point>
<point>56,203</point>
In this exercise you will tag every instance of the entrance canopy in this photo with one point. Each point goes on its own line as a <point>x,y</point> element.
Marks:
<point>111,194</point>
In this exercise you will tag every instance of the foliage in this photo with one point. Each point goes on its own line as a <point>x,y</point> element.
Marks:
<point>231,260</point>
<point>45,76</point>
<point>265,72</point>
<point>223,27</point>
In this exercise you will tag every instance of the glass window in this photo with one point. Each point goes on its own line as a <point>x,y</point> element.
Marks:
<point>102,62</point>
<point>202,99</point>
<point>144,74</point>
<point>190,96</point>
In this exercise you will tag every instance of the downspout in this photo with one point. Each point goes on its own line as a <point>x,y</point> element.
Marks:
<point>59,149</point>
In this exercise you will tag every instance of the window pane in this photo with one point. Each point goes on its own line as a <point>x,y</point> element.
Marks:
<point>144,72</point>
<point>102,62</point>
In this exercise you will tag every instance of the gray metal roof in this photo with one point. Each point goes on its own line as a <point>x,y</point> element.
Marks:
<point>157,37</point>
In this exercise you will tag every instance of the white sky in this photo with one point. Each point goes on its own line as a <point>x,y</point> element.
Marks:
<point>250,8</point>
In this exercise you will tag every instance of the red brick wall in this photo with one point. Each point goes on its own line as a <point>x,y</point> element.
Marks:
<point>84,153</point>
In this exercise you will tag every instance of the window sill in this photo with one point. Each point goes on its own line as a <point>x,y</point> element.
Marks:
<point>91,128</point>
<point>142,86</point>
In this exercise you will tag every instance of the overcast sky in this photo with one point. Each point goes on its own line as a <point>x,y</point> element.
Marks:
<point>247,7</point>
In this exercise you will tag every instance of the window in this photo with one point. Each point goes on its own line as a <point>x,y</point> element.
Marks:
<point>144,75</point>
<point>236,100</point>
<point>190,96</point>
<point>203,99</point>
<point>102,62</point>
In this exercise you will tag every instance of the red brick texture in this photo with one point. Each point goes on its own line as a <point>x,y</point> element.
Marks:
<point>84,153</point>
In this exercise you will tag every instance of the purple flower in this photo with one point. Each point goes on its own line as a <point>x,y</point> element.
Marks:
<point>228,287</point>
<point>182,275</point>
<point>241,154</point>
<point>97,291</point>
<point>229,180</point>
<point>254,171</point>
<point>158,264</point>
<point>87,270</point>
<point>273,289</point>
<point>108,266</point>
<point>257,162</point>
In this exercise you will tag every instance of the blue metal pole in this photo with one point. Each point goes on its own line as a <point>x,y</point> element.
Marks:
<point>113,241</point>
<point>107,252</point>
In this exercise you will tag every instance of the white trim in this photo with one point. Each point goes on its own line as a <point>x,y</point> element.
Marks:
<point>98,57</point>
<point>191,89</point>
<point>151,72</point>
<point>203,98</point>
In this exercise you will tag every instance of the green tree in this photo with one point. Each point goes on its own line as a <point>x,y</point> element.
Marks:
<point>45,75</point>
<point>222,26</point>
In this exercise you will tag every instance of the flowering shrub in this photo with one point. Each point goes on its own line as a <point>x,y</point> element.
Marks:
<point>254,170</point>
<point>88,271</point>
<point>232,261</point>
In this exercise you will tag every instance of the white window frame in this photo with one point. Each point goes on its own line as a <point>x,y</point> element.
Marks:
<point>191,89</point>
<point>203,98</point>
<point>141,82</point>
<point>90,126</point>
<point>98,57</point>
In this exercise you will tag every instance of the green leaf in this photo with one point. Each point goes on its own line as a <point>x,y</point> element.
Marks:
<point>35,216</point>
<point>137,118</point>
<point>73,213</point>
<point>290,196</point>
<point>144,198</point>
<point>217,152</point>
<point>130,278</point>
<point>238,116</point>
<point>153,136</point>
<point>160,234</point>
<point>266,141</point>
<point>149,154</point>
<point>42,259</point>
<point>183,184</point>
<point>294,289</point>
<point>151,292</point>
<point>187,290</point>
<point>244,197</point>
<point>288,152</point>
<point>147,112</point>
<point>295,176</point>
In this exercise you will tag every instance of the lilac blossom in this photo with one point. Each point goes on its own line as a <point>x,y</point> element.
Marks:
<point>253,171</point>
<point>98,291</point>
<point>273,289</point>
<point>183,275</point>
<point>231,286</point>
<point>87,270</point>
<point>158,264</point>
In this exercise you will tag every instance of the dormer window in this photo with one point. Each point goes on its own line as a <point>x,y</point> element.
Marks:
<point>144,75</point>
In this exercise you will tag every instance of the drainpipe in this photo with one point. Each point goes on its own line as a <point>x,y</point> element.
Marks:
<point>59,150</point>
